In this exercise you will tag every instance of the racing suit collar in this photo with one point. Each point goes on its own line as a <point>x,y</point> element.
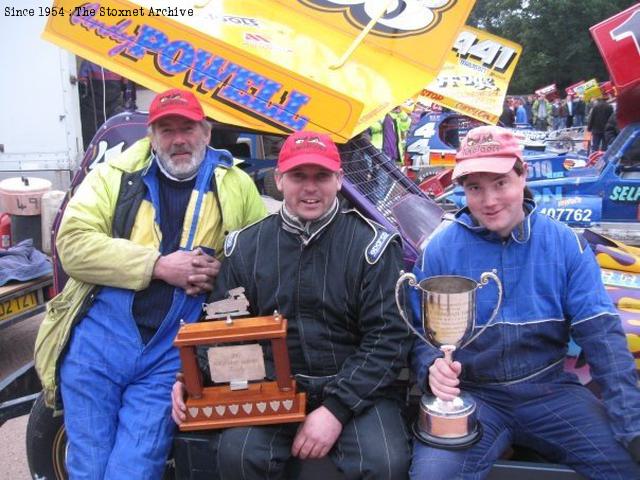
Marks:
<point>307,230</point>
<point>520,234</point>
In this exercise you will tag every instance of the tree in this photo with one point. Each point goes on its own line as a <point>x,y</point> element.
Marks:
<point>555,38</point>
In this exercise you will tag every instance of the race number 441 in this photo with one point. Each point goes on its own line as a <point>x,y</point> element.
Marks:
<point>490,53</point>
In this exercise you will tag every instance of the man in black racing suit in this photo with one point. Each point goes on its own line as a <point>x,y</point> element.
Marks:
<point>332,274</point>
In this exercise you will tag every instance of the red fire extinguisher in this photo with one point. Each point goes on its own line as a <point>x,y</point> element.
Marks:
<point>5,230</point>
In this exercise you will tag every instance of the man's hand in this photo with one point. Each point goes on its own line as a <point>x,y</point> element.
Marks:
<point>193,271</point>
<point>316,435</point>
<point>178,408</point>
<point>443,379</point>
<point>206,270</point>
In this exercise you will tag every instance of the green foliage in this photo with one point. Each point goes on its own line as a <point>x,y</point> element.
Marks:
<point>557,46</point>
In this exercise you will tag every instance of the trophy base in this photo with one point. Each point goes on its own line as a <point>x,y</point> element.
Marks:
<point>447,443</point>
<point>261,404</point>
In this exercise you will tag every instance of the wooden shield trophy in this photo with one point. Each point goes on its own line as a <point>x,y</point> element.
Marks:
<point>235,400</point>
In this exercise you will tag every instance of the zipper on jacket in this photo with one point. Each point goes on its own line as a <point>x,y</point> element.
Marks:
<point>301,335</point>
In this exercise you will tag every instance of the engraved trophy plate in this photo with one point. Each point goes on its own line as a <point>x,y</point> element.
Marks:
<point>448,314</point>
<point>236,363</point>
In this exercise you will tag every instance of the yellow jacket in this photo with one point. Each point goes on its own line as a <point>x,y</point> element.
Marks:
<point>92,257</point>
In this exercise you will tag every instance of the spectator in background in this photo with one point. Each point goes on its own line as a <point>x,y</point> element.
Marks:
<point>507,118</point>
<point>578,111</point>
<point>563,113</point>
<point>521,113</point>
<point>558,115</point>
<point>528,106</point>
<point>570,111</point>
<point>541,113</point>
<point>611,130</point>
<point>597,122</point>
<point>102,95</point>
<point>589,109</point>
<point>375,134</point>
<point>394,133</point>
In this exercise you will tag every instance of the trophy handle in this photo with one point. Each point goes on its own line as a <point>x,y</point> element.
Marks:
<point>484,280</point>
<point>413,282</point>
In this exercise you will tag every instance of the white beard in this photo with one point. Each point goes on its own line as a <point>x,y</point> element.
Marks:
<point>182,170</point>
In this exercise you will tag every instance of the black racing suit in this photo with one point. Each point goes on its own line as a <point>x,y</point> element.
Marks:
<point>335,286</point>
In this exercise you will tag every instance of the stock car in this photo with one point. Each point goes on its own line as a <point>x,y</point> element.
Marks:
<point>434,140</point>
<point>603,191</point>
<point>437,135</point>
<point>432,145</point>
<point>600,191</point>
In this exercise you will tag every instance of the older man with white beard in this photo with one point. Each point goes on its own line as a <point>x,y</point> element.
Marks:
<point>138,240</point>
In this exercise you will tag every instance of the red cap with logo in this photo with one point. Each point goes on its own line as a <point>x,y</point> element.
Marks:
<point>175,102</point>
<point>303,148</point>
<point>488,149</point>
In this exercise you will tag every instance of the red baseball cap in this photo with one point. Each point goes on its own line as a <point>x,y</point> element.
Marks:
<point>303,148</point>
<point>489,149</point>
<point>175,102</point>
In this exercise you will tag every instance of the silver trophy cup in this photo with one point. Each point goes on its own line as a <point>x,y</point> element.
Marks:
<point>448,310</point>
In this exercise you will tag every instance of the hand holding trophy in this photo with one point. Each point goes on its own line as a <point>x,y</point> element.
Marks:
<point>448,311</point>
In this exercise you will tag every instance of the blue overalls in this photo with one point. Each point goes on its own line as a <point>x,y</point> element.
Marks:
<point>514,370</point>
<point>116,389</point>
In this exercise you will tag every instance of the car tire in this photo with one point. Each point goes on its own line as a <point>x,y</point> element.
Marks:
<point>269,184</point>
<point>46,443</point>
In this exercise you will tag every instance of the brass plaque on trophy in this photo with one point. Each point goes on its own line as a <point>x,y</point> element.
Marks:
<point>236,399</point>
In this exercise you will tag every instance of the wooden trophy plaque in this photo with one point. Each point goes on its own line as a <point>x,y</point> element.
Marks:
<point>256,403</point>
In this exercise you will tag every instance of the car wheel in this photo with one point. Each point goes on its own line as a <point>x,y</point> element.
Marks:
<point>269,183</point>
<point>46,443</point>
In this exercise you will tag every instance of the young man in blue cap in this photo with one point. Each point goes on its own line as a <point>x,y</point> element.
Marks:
<point>514,370</point>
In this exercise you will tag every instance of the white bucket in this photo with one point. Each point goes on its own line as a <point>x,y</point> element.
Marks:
<point>22,195</point>
<point>51,202</point>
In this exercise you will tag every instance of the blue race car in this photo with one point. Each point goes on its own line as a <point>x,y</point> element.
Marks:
<point>601,191</point>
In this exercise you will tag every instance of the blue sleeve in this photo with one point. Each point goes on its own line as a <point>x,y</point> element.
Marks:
<point>423,355</point>
<point>585,296</point>
<point>596,327</point>
<point>613,369</point>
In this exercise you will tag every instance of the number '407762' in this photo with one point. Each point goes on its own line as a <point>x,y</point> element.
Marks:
<point>569,215</point>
